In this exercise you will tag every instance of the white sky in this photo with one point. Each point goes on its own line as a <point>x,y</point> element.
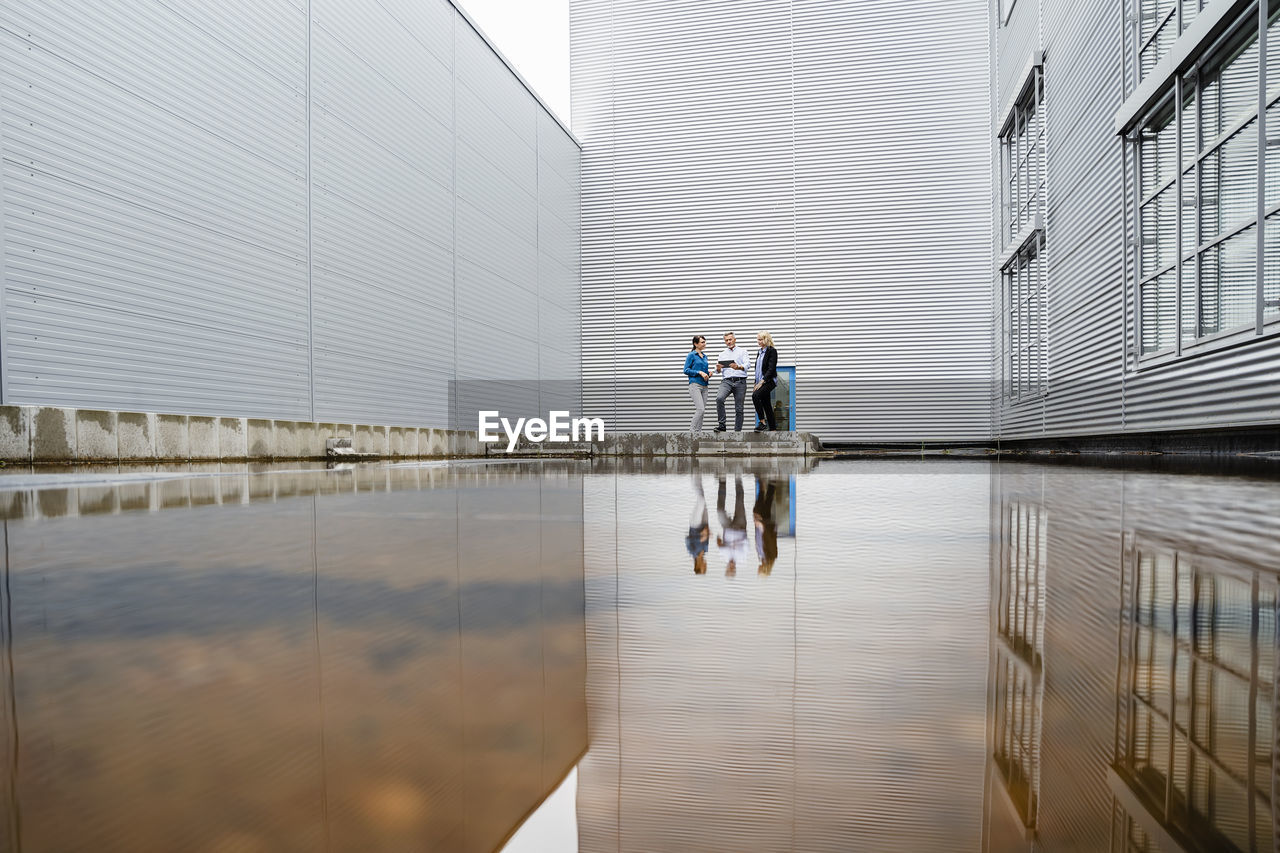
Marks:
<point>534,36</point>
<point>553,826</point>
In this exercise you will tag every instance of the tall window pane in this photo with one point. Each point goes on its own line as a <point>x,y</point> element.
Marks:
<point>1159,312</point>
<point>1271,281</point>
<point>1157,220</point>
<point>1158,27</point>
<point>1198,174</point>
<point>1229,183</point>
<point>1023,277</point>
<point>1229,283</point>
<point>1231,88</point>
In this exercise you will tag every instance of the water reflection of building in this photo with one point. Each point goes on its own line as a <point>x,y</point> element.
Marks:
<point>1195,721</point>
<point>1017,670</point>
<point>377,659</point>
<point>835,704</point>
<point>1132,681</point>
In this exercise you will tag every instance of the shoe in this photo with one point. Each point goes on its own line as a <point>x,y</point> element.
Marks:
<point>719,429</point>
<point>761,428</point>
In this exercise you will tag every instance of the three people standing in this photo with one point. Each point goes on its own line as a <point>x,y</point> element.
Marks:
<point>731,364</point>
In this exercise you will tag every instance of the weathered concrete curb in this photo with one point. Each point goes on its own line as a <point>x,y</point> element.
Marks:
<point>50,435</point>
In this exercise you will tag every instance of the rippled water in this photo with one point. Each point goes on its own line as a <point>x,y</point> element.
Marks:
<point>867,655</point>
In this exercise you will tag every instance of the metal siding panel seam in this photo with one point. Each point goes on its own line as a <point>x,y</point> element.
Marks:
<point>311,299</point>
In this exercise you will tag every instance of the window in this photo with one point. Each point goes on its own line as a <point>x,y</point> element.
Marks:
<point>1158,23</point>
<point>1022,267</point>
<point>1202,268</point>
<point>1005,11</point>
<point>1024,293</point>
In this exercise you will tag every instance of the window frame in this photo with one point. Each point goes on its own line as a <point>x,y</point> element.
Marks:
<point>1004,11</point>
<point>1022,267</point>
<point>1190,336</point>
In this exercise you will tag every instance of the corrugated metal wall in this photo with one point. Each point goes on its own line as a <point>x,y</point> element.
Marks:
<point>154,200</point>
<point>817,169</point>
<point>321,210</point>
<point>1092,387</point>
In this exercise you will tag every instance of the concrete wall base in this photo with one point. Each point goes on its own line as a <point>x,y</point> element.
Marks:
<point>45,435</point>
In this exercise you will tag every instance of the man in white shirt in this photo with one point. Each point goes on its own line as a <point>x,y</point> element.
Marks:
<point>732,365</point>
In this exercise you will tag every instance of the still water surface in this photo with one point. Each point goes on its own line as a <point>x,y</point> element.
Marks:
<point>871,655</point>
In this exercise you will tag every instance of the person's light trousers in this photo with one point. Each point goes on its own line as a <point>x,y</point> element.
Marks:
<point>699,395</point>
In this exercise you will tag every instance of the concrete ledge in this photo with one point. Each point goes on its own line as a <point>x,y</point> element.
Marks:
<point>171,437</point>
<point>58,436</point>
<point>286,440</point>
<point>202,438</point>
<point>50,435</point>
<point>402,441</point>
<point>233,438</point>
<point>306,435</point>
<point>433,442</point>
<point>15,434</point>
<point>371,439</point>
<point>136,435</point>
<point>96,436</point>
<point>53,434</point>
<point>260,439</point>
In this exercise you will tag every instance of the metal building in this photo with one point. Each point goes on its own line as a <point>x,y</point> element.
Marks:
<point>1136,290</point>
<point>819,170</point>
<point>311,209</point>
<point>1015,219</point>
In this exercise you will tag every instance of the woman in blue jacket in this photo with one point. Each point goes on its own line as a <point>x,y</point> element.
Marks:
<point>695,367</point>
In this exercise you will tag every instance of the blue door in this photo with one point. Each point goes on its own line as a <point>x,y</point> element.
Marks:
<point>784,398</point>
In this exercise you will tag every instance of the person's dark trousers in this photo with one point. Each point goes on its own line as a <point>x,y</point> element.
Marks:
<point>739,520</point>
<point>764,500</point>
<point>737,386</point>
<point>762,399</point>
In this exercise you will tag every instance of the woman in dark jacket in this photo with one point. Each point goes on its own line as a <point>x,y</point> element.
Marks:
<point>766,378</point>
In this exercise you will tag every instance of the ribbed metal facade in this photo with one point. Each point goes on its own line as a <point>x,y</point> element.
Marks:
<point>319,209</point>
<point>820,170</point>
<point>1096,381</point>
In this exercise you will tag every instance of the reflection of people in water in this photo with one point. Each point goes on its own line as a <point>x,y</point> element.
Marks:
<point>766,527</point>
<point>733,540</point>
<point>699,529</point>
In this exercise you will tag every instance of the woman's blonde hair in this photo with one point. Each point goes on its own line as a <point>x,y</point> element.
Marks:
<point>768,338</point>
